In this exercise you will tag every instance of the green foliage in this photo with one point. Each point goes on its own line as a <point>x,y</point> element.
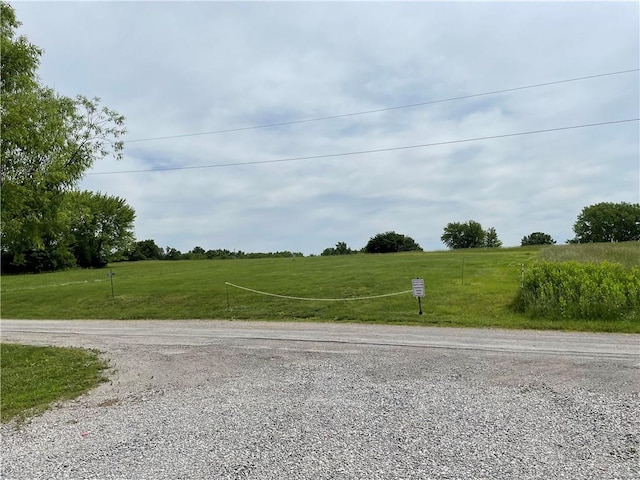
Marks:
<point>32,378</point>
<point>172,254</point>
<point>391,242</point>
<point>464,235</point>
<point>148,250</point>
<point>219,254</point>
<point>254,255</point>
<point>92,229</point>
<point>144,250</point>
<point>584,291</point>
<point>537,238</point>
<point>608,222</point>
<point>101,226</point>
<point>491,239</point>
<point>341,248</point>
<point>198,253</point>
<point>48,142</point>
<point>20,59</point>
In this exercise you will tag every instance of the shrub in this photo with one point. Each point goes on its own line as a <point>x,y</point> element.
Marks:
<point>537,238</point>
<point>389,242</point>
<point>583,291</point>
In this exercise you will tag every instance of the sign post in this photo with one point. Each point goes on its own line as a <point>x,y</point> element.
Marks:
<point>417,285</point>
<point>110,275</point>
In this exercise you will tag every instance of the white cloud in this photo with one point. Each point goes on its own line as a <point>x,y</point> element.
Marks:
<point>177,68</point>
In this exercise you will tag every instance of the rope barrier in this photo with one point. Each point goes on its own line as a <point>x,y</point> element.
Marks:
<point>317,299</point>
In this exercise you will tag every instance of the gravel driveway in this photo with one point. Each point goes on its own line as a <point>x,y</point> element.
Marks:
<point>232,400</point>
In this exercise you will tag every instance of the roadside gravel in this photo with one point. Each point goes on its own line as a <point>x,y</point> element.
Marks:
<point>269,409</point>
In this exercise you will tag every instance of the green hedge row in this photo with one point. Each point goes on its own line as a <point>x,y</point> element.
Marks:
<point>583,291</point>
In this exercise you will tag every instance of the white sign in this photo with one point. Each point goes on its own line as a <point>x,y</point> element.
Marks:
<point>417,285</point>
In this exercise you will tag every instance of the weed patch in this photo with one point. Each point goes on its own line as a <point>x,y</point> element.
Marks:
<point>584,291</point>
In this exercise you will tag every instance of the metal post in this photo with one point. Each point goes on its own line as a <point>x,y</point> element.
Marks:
<point>417,285</point>
<point>110,275</point>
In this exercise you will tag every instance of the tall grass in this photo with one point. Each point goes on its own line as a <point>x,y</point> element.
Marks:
<point>584,281</point>
<point>604,291</point>
<point>626,254</point>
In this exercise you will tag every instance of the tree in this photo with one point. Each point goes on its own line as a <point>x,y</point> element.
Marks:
<point>198,253</point>
<point>219,253</point>
<point>145,250</point>
<point>172,254</point>
<point>608,222</point>
<point>341,248</point>
<point>20,58</point>
<point>537,238</point>
<point>464,235</point>
<point>391,242</point>
<point>48,142</point>
<point>491,239</point>
<point>100,226</point>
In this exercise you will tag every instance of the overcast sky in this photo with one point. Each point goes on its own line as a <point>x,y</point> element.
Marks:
<point>178,68</point>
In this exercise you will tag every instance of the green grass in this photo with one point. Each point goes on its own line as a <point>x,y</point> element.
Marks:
<point>32,378</point>
<point>472,288</point>
<point>464,288</point>
<point>627,254</point>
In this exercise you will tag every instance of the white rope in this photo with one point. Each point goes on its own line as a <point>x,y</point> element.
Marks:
<point>317,299</point>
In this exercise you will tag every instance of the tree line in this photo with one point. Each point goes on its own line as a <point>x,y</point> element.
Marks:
<point>598,223</point>
<point>149,250</point>
<point>602,222</point>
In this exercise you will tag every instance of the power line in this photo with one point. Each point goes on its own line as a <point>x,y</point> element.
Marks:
<point>362,152</point>
<point>366,112</point>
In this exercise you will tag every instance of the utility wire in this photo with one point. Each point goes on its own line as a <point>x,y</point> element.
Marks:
<point>366,112</point>
<point>378,150</point>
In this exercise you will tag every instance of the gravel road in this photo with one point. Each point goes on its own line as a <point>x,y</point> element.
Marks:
<point>233,400</point>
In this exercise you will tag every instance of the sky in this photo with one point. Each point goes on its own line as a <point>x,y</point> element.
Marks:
<point>181,69</point>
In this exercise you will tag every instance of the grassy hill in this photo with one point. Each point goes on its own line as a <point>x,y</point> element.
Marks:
<point>463,288</point>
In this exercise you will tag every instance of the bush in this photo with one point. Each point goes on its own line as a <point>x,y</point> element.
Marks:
<point>390,242</point>
<point>537,238</point>
<point>583,291</point>
<point>341,248</point>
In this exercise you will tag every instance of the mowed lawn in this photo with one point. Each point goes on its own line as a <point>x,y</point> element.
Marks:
<point>463,288</point>
<point>32,378</point>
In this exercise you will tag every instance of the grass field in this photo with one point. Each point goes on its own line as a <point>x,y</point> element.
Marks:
<point>627,254</point>
<point>34,377</point>
<point>463,288</point>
